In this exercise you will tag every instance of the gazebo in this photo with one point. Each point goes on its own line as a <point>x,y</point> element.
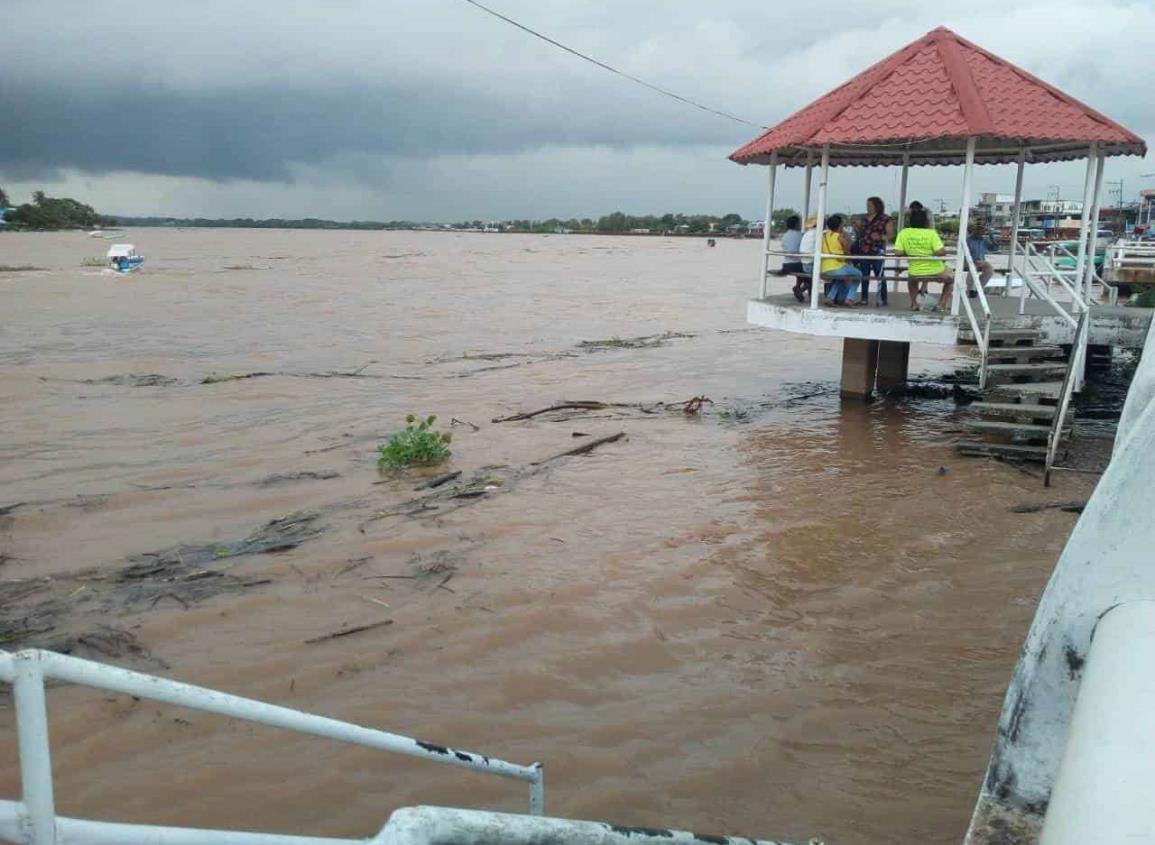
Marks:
<point>940,100</point>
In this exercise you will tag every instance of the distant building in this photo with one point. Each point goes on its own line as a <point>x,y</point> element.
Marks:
<point>1146,206</point>
<point>998,210</point>
<point>1051,215</point>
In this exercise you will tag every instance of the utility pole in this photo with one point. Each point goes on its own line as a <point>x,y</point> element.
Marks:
<point>1053,192</point>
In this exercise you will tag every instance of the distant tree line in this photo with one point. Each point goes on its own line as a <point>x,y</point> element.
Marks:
<point>264,223</point>
<point>45,212</point>
<point>621,223</point>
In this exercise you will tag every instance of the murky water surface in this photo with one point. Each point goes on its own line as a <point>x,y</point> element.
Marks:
<point>786,617</point>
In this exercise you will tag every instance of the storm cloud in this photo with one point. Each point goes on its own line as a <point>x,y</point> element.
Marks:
<point>434,109</point>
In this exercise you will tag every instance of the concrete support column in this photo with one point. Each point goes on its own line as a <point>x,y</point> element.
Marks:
<point>859,366</point>
<point>893,364</point>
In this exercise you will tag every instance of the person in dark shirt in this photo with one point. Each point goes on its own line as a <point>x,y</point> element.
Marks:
<point>977,247</point>
<point>877,230</point>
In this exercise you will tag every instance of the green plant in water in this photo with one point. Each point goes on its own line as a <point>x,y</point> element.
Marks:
<point>1146,299</point>
<point>418,445</point>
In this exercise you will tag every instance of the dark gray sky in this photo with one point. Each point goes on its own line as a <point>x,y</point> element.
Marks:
<point>430,109</point>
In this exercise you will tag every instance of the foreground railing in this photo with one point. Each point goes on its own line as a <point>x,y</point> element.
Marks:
<point>1070,380</point>
<point>33,820</point>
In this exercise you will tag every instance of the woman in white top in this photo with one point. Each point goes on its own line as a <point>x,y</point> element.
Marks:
<point>806,248</point>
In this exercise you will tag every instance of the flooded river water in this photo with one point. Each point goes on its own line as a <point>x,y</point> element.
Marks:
<point>786,617</point>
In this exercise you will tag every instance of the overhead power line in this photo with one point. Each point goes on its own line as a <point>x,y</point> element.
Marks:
<point>614,70</point>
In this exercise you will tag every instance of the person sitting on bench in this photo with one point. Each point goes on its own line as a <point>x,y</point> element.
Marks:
<point>806,248</point>
<point>924,247</point>
<point>842,276</point>
<point>791,244</point>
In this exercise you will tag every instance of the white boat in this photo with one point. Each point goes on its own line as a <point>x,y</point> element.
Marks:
<point>122,258</point>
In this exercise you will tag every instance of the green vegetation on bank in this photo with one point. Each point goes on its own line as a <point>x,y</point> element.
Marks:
<point>46,213</point>
<point>616,223</point>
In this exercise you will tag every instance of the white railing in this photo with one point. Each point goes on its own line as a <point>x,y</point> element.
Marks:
<point>33,820</point>
<point>1126,254</point>
<point>983,334</point>
<point>1070,380</point>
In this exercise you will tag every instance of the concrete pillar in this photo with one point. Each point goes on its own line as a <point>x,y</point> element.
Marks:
<point>859,365</point>
<point>893,364</point>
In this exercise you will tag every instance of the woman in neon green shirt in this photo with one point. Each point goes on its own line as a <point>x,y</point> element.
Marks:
<point>922,245</point>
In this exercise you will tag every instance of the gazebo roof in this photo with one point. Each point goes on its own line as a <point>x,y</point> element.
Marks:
<point>927,99</point>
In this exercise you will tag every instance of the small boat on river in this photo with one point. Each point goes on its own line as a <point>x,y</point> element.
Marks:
<point>122,258</point>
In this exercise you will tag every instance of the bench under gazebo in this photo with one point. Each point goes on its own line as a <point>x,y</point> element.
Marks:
<point>941,100</point>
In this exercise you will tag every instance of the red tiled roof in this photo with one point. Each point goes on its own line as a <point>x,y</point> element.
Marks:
<point>927,99</point>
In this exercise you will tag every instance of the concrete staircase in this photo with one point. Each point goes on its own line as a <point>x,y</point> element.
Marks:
<point>1018,407</point>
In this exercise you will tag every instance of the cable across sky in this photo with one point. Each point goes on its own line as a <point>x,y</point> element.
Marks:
<point>614,70</point>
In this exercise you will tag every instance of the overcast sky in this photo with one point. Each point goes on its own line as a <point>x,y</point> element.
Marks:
<point>433,110</point>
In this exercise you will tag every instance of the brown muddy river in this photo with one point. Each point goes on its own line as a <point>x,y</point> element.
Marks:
<point>787,617</point>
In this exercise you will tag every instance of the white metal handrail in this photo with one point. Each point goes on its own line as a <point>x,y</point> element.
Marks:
<point>1070,379</point>
<point>983,336</point>
<point>1060,276</point>
<point>1031,258</point>
<point>34,817</point>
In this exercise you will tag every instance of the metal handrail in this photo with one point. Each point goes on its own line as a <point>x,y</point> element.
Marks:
<point>35,815</point>
<point>1044,295</point>
<point>1070,379</point>
<point>982,338</point>
<point>1060,276</point>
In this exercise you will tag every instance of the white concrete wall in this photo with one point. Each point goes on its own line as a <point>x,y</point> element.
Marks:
<point>1109,559</point>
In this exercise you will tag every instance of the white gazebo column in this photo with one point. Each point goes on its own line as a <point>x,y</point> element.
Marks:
<point>1093,238</point>
<point>1015,221</point>
<point>901,206</point>
<point>767,228</point>
<point>806,190</point>
<point>902,193</point>
<point>963,220</point>
<point>1088,185</point>
<point>816,275</point>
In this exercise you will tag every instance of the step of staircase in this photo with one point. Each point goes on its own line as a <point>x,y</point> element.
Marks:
<point>1023,353</point>
<point>1004,337</point>
<point>1003,373</point>
<point>1028,430</point>
<point>1015,410</point>
<point>1032,391</point>
<point>1005,450</point>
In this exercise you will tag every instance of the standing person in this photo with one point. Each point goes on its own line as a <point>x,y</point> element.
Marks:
<point>842,276</point>
<point>877,230</point>
<point>924,247</point>
<point>977,247</point>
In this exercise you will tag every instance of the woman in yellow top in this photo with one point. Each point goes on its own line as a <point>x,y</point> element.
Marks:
<point>922,245</point>
<point>842,278</point>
